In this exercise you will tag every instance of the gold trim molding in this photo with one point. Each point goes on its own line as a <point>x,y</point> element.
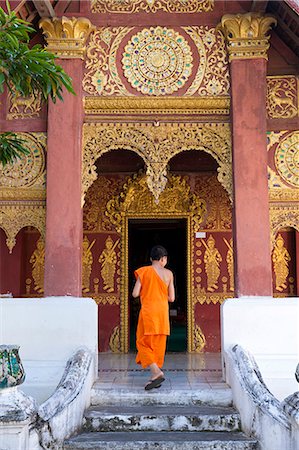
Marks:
<point>14,217</point>
<point>94,106</point>
<point>66,37</point>
<point>156,145</point>
<point>151,6</point>
<point>247,35</point>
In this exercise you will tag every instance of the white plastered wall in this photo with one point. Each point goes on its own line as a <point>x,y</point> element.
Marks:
<point>269,329</point>
<point>49,331</point>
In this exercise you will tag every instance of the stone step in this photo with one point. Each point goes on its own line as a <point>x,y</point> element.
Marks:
<point>161,441</point>
<point>130,397</point>
<point>161,418</point>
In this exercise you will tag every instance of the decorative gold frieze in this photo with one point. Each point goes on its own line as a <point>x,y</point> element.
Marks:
<point>66,37</point>
<point>156,146</point>
<point>159,105</point>
<point>282,97</point>
<point>157,61</point>
<point>14,217</point>
<point>206,298</point>
<point>25,179</point>
<point>20,107</point>
<point>106,299</point>
<point>287,159</point>
<point>247,35</point>
<point>151,6</point>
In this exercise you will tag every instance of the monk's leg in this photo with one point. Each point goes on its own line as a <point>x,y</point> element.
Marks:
<point>159,345</point>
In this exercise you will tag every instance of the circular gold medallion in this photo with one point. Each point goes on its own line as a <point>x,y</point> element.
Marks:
<point>157,61</point>
<point>287,159</point>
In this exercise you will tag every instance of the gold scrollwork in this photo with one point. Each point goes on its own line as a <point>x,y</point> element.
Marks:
<point>106,299</point>
<point>14,217</point>
<point>156,146</point>
<point>66,37</point>
<point>202,297</point>
<point>247,35</point>
<point>151,6</point>
<point>282,97</point>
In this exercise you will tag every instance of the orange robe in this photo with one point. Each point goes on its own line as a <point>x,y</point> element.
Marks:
<point>153,322</point>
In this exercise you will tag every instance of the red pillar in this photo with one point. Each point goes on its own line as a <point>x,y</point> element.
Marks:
<point>64,212</point>
<point>251,226</point>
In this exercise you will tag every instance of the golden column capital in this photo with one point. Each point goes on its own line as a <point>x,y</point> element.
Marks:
<point>247,35</point>
<point>66,37</point>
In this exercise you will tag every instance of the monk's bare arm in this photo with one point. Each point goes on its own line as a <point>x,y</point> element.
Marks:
<point>171,292</point>
<point>137,288</point>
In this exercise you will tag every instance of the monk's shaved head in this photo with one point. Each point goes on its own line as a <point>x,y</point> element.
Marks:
<point>158,252</point>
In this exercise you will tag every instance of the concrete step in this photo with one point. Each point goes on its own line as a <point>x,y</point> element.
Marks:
<point>161,418</point>
<point>123,397</point>
<point>161,441</point>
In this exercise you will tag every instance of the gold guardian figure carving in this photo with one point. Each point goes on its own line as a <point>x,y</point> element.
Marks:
<point>108,260</point>
<point>38,266</point>
<point>212,260</point>
<point>281,259</point>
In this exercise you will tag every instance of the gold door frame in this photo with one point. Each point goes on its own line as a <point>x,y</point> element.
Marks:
<point>124,300</point>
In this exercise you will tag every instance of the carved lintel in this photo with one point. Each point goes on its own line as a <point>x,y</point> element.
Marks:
<point>247,35</point>
<point>66,37</point>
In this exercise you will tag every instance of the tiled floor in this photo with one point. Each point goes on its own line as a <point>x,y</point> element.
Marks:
<point>182,371</point>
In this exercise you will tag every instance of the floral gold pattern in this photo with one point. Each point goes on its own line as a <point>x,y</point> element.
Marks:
<point>282,97</point>
<point>151,6</point>
<point>157,61</point>
<point>247,35</point>
<point>287,159</point>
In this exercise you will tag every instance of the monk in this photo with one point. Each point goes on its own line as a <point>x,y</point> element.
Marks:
<point>154,284</point>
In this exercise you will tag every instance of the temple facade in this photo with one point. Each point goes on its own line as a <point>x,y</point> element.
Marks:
<point>184,132</point>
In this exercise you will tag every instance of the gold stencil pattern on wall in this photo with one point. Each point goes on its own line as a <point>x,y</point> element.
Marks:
<point>282,97</point>
<point>212,260</point>
<point>114,341</point>
<point>219,207</point>
<point>37,260</point>
<point>108,260</point>
<point>281,259</point>
<point>287,159</point>
<point>87,260</point>
<point>151,6</point>
<point>157,61</point>
<point>230,263</point>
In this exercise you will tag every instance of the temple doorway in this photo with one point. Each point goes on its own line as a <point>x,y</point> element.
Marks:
<point>172,234</point>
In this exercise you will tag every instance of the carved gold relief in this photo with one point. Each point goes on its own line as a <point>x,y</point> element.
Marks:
<point>14,217</point>
<point>26,177</point>
<point>114,341</point>
<point>212,260</point>
<point>66,37</point>
<point>282,216</point>
<point>247,35</point>
<point>87,260</point>
<point>108,260</point>
<point>24,107</point>
<point>199,340</point>
<point>104,77</point>
<point>281,259</point>
<point>287,159</point>
<point>157,61</point>
<point>134,6</point>
<point>156,146</point>
<point>37,260</point>
<point>282,97</point>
